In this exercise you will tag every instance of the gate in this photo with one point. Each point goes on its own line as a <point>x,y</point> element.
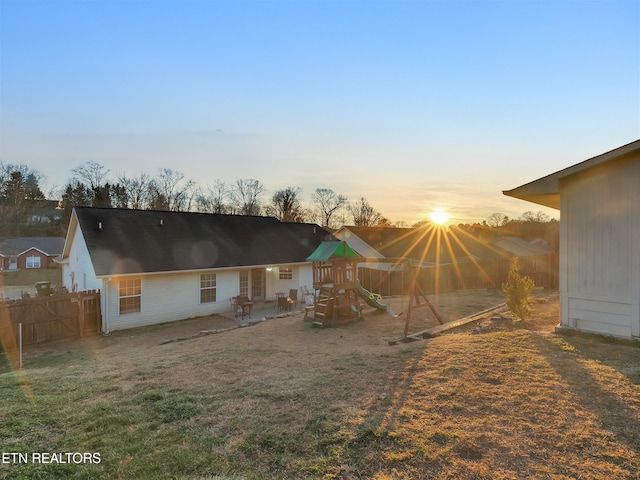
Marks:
<point>46,319</point>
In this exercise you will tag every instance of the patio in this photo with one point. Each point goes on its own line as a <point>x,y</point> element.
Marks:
<point>263,309</point>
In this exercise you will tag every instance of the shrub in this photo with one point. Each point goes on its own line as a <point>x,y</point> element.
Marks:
<point>517,290</point>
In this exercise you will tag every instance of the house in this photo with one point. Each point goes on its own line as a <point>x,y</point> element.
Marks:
<point>450,258</point>
<point>157,266</point>
<point>435,246</point>
<point>25,253</point>
<point>44,212</point>
<point>599,203</point>
<point>521,247</point>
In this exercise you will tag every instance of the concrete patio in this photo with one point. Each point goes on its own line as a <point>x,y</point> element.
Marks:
<point>263,309</point>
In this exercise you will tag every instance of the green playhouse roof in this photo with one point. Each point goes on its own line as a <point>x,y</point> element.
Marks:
<point>328,250</point>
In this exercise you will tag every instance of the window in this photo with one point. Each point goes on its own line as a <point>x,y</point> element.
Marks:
<point>244,283</point>
<point>286,273</point>
<point>130,294</point>
<point>33,262</point>
<point>207,287</point>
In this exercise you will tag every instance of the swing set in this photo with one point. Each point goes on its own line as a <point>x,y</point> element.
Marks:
<point>338,290</point>
<point>417,297</point>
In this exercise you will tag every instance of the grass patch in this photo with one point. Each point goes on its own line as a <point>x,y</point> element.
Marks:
<point>282,400</point>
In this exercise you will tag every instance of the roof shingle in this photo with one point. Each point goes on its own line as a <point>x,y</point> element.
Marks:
<point>124,241</point>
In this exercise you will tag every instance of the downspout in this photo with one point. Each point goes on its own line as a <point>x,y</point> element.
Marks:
<point>105,315</point>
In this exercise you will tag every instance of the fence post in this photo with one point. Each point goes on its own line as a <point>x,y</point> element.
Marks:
<point>20,340</point>
<point>81,315</point>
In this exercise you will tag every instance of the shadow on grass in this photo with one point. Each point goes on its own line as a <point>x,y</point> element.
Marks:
<point>603,374</point>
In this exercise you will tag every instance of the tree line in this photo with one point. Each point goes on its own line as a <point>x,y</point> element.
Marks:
<point>92,184</point>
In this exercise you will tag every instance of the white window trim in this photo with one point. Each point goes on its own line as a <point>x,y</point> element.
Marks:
<point>213,287</point>
<point>33,262</point>
<point>120,297</point>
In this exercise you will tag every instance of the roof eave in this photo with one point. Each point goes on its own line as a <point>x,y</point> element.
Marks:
<point>545,191</point>
<point>551,200</point>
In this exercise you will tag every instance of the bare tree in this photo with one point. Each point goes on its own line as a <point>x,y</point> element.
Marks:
<point>538,216</point>
<point>136,190</point>
<point>286,206</point>
<point>93,176</point>
<point>91,173</point>
<point>214,200</point>
<point>170,191</point>
<point>364,215</point>
<point>497,220</point>
<point>245,196</point>
<point>327,202</point>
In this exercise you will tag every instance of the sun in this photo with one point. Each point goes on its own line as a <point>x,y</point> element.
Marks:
<point>439,216</point>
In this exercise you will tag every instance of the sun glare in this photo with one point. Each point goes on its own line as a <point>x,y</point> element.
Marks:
<point>439,216</point>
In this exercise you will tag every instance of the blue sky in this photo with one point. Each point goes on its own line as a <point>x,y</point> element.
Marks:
<point>414,105</point>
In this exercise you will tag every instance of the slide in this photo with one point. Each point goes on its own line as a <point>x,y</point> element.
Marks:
<point>373,299</point>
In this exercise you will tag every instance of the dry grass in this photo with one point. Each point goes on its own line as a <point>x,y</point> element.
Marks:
<point>282,400</point>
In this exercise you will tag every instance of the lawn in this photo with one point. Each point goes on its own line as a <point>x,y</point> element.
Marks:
<point>280,399</point>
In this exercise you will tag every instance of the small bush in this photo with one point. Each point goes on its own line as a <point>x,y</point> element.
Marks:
<point>517,290</point>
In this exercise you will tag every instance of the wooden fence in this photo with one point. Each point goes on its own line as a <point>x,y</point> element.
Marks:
<point>543,269</point>
<point>50,318</point>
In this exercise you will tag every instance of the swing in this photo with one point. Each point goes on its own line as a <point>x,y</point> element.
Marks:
<point>389,291</point>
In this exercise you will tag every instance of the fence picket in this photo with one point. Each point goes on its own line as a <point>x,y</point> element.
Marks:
<point>46,319</point>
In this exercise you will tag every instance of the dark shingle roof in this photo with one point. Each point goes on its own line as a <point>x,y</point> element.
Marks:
<point>50,245</point>
<point>430,245</point>
<point>135,241</point>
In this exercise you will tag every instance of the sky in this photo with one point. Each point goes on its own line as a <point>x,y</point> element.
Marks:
<point>413,105</point>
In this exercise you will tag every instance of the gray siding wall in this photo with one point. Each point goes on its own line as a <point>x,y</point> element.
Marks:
<point>600,249</point>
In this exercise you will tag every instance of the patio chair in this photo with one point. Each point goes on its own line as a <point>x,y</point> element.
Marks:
<point>284,304</point>
<point>293,295</point>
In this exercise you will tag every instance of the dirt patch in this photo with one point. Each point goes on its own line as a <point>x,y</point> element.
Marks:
<point>546,319</point>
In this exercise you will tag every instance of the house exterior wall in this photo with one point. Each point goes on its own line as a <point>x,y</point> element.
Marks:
<point>45,260</point>
<point>302,277</point>
<point>599,250</point>
<point>175,296</point>
<point>168,297</point>
<point>78,273</point>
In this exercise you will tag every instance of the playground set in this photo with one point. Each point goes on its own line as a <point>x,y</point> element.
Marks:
<point>339,293</point>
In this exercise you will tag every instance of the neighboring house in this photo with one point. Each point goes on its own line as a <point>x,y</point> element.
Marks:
<point>599,203</point>
<point>521,247</point>
<point>33,213</point>
<point>156,266</point>
<point>427,246</point>
<point>449,259</point>
<point>26,253</point>
<point>536,260</point>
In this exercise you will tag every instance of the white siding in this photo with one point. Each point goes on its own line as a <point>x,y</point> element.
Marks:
<point>170,297</point>
<point>600,251</point>
<point>305,277</point>
<point>79,274</point>
<point>302,275</point>
<point>176,296</point>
